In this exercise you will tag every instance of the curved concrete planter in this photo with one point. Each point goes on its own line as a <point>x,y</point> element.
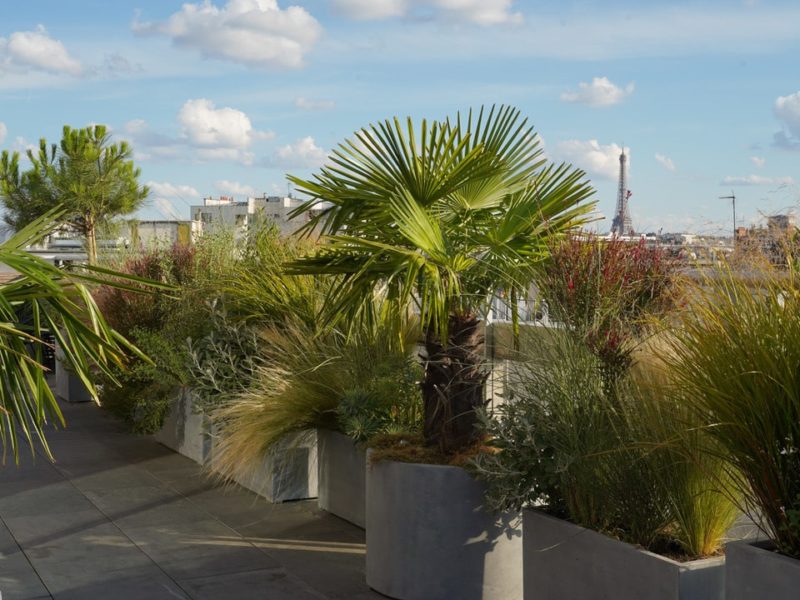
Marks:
<point>342,476</point>
<point>564,562</point>
<point>428,537</point>
<point>754,572</point>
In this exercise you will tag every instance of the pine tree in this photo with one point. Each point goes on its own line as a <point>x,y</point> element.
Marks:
<point>92,179</point>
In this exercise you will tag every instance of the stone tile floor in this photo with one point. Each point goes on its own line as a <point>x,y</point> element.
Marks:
<point>120,516</point>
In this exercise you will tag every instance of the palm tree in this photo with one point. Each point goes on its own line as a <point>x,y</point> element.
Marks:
<point>444,215</point>
<point>45,299</point>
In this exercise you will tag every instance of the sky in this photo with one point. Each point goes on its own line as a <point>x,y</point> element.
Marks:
<point>227,97</point>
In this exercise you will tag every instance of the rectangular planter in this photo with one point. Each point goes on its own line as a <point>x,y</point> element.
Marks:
<point>755,572</point>
<point>342,476</point>
<point>429,537</point>
<point>563,561</point>
<point>288,472</point>
<point>185,430</point>
<point>69,386</point>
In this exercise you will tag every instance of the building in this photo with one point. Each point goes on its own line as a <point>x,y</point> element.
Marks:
<point>226,212</point>
<point>148,233</point>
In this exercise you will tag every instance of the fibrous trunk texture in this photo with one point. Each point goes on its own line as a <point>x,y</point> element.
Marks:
<point>453,386</point>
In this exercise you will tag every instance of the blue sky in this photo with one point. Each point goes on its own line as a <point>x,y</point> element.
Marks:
<point>226,97</point>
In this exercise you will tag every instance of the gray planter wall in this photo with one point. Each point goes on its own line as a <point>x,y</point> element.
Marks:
<point>288,473</point>
<point>428,537</point>
<point>342,477</point>
<point>754,572</point>
<point>566,562</point>
<point>69,387</point>
<point>186,431</point>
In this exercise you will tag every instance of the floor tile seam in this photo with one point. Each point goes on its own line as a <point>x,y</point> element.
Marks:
<point>127,537</point>
<point>27,559</point>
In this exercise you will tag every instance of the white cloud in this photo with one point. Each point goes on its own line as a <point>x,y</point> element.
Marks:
<point>600,92</point>
<point>372,9</point>
<point>600,160</point>
<point>307,104</point>
<point>304,153</point>
<point>36,50</point>
<point>206,125</point>
<point>207,133</point>
<point>3,132</point>
<point>165,189</point>
<point>787,109</point>
<point>758,161</point>
<point>481,12</point>
<point>256,33</point>
<point>234,188</point>
<point>666,162</point>
<point>757,180</point>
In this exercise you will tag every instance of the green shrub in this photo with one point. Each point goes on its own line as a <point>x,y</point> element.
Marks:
<point>609,456</point>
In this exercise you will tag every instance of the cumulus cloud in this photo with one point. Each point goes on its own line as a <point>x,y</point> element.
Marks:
<point>758,161</point>
<point>24,50</point>
<point>757,180</point>
<point>307,104</point>
<point>787,109</point>
<point>256,33</point>
<point>207,133</point>
<point>3,132</point>
<point>600,92</point>
<point>600,160</point>
<point>481,12</point>
<point>206,125</point>
<point>234,188</point>
<point>666,162</point>
<point>165,189</point>
<point>304,153</point>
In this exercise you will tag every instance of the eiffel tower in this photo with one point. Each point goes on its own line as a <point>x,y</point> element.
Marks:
<point>621,225</point>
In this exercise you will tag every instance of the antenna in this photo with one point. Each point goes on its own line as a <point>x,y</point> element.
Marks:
<point>732,198</point>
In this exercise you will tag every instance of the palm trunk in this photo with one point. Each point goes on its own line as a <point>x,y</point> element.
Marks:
<point>453,387</point>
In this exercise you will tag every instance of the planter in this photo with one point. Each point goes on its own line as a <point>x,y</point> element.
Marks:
<point>186,431</point>
<point>288,472</point>
<point>564,561</point>
<point>754,571</point>
<point>69,386</point>
<point>342,477</point>
<point>429,538</point>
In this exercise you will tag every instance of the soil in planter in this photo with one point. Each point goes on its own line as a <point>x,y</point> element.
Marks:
<point>411,448</point>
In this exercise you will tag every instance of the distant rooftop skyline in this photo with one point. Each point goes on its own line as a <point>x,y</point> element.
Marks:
<point>226,97</point>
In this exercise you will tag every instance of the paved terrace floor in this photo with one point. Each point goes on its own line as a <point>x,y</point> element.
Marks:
<point>120,516</point>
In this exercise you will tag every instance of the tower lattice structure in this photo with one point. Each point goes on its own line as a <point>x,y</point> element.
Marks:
<point>621,225</point>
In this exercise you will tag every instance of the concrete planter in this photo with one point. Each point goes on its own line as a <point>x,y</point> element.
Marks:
<point>564,561</point>
<point>342,477</point>
<point>754,571</point>
<point>185,430</point>
<point>429,538</point>
<point>288,472</point>
<point>69,386</point>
